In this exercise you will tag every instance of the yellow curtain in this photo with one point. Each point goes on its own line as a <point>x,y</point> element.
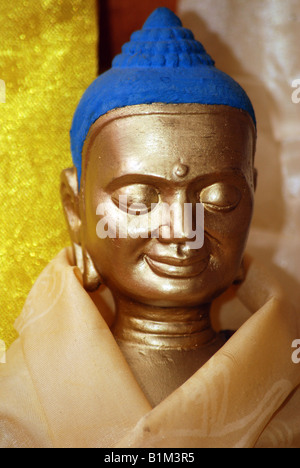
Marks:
<point>48,56</point>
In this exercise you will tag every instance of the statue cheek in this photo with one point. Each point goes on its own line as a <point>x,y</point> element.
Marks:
<point>230,227</point>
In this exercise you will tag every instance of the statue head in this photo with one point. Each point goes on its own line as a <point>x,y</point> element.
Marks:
<point>162,128</point>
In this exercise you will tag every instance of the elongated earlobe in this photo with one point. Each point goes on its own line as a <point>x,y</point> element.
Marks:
<point>70,200</point>
<point>91,277</point>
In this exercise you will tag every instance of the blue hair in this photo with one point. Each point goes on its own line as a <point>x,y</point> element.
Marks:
<point>162,63</point>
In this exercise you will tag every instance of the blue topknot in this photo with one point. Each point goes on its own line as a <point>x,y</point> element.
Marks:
<point>162,18</point>
<point>162,63</point>
<point>162,42</point>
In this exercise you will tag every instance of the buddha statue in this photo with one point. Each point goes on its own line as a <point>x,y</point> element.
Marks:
<point>162,128</point>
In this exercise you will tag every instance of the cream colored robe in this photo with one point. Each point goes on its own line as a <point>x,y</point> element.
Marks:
<point>66,383</point>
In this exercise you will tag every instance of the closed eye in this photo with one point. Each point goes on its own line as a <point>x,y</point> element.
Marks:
<point>220,196</point>
<point>135,199</point>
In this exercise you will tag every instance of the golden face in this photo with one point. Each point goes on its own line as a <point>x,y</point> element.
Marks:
<point>158,155</point>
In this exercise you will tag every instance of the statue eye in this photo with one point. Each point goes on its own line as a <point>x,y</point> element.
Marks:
<point>136,199</point>
<point>220,197</point>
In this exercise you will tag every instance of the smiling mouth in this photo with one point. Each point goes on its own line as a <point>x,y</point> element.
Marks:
<point>176,267</point>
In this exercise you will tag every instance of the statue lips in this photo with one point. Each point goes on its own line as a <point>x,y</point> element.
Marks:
<point>176,267</point>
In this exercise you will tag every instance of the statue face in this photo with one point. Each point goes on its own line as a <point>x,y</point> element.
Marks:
<point>174,155</point>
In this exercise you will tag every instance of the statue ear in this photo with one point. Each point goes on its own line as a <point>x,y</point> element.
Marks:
<point>70,200</point>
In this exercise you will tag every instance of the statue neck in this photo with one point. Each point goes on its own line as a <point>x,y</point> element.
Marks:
<point>164,328</point>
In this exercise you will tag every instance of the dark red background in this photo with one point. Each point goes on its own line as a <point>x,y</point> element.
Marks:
<point>118,19</point>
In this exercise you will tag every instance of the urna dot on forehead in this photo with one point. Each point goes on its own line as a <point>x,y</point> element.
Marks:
<point>162,63</point>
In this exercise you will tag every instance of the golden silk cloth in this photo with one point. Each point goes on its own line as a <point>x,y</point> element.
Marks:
<point>67,384</point>
<point>48,57</point>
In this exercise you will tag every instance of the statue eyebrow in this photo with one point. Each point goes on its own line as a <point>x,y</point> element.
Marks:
<point>218,175</point>
<point>161,182</point>
<point>131,179</point>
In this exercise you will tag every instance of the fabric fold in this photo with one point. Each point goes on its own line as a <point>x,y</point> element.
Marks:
<point>66,383</point>
<point>230,400</point>
<point>88,394</point>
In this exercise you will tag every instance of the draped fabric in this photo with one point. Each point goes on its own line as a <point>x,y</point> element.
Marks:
<point>48,57</point>
<point>67,384</point>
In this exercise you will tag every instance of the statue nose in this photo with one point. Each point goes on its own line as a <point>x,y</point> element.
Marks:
<point>171,235</point>
<point>178,223</point>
